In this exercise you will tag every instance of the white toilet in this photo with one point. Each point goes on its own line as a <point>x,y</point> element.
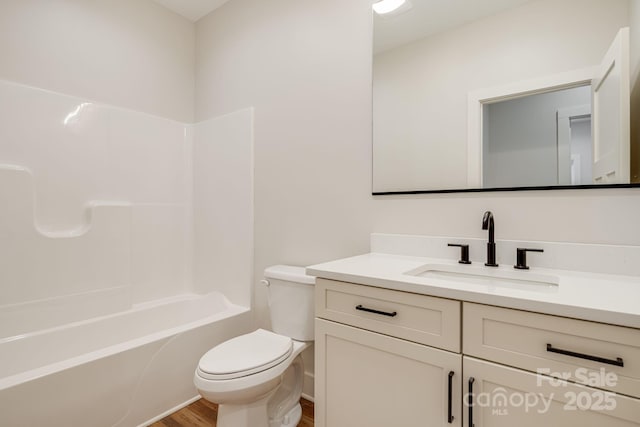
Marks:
<point>256,378</point>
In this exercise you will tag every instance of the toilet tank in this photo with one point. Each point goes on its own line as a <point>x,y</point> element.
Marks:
<point>291,301</point>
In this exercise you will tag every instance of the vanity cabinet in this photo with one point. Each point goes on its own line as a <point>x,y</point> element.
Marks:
<point>501,396</point>
<point>539,358</point>
<point>387,357</point>
<point>373,368</point>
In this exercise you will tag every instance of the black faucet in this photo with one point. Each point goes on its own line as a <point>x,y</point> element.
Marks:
<point>488,224</point>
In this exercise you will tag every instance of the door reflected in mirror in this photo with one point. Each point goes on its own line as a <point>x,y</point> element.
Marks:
<point>538,140</point>
<point>434,60</point>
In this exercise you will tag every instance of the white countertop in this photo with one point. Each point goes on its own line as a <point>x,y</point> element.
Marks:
<point>603,298</point>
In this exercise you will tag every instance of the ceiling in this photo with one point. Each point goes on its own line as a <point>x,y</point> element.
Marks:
<point>427,17</point>
<point>192,9</point>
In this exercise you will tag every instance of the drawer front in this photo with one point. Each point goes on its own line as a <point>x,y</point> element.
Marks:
<point>595,354</point>
<point>418,318</point>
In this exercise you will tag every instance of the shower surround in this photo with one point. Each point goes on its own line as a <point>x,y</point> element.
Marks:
<point>101,220</point>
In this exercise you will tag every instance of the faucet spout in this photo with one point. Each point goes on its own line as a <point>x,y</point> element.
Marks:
<point>489,224</point>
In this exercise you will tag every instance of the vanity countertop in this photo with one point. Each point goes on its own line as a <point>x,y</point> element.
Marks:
<point>606,298</point>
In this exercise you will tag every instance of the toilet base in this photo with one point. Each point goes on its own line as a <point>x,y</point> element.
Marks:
<point>255,415</point>
<point>291,419</point>
<point>252,414</point>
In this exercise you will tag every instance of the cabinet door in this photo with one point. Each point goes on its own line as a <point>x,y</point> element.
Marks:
<point>507,397</point>
<point>366,379</point>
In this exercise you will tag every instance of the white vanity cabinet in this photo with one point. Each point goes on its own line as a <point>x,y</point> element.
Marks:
<point>538,358</point>
<point>392,358</point>
<point>367,376</point>
<point>502,396</point>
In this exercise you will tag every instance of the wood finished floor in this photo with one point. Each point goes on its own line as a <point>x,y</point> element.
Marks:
<point>203,414</point>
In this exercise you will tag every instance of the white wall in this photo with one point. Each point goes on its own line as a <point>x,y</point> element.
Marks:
<point>306,68</point>
<point>133,54</point>
<point>420,89</point>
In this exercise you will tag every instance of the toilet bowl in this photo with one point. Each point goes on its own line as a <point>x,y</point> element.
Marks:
<point>256,378</point>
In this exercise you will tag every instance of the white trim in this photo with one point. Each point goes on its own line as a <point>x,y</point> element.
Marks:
<point>577,111</point>
<point>170,411</point>
<point>477,98</point>
<point>308,388</point>
<point>563,122</point>
<point>613,165</point>
<point>576,176</point>
<point>307,397</point>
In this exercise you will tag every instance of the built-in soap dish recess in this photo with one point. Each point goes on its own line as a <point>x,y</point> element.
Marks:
<point>503,277</point>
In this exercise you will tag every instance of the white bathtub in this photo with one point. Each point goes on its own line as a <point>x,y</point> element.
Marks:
<point>126,369</point>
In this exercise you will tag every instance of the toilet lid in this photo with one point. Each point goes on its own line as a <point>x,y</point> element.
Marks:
<point>245,355</point>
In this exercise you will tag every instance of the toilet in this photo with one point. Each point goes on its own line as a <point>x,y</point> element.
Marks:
<point>256,378</point>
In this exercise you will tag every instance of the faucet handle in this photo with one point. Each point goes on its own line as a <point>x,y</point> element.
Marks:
<point>464,252</point>
<point>521,257</point>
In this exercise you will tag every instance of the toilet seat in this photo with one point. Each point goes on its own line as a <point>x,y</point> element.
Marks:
<point>245,355</point>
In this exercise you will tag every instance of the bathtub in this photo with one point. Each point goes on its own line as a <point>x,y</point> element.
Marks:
<point>125,369</point>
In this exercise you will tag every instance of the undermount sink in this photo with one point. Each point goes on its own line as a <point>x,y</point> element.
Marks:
<point>489,276</point>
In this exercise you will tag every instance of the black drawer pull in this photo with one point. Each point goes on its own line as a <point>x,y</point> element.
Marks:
<point>470,401</point>
<point>450,398</point>
<point>371,310</point>
<point>617,362</point>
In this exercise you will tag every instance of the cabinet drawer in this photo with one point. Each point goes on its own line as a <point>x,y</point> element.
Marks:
<point>595,354</point>
<point>418,318</point>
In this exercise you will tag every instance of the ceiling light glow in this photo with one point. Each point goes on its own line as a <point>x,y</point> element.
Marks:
<point>387,6</point>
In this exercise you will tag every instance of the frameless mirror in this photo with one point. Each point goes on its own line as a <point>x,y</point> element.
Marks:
<point>502,94</point>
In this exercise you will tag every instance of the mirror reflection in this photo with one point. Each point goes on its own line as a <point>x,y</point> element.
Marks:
<point>539,140</point>
<point>503,94</point>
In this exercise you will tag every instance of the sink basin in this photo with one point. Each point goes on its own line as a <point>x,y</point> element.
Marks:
<point>488,276</point>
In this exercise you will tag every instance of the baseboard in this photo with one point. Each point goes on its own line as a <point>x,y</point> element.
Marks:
<point>307,393</point>
<point>308,386</point>
<point>170,411</point>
